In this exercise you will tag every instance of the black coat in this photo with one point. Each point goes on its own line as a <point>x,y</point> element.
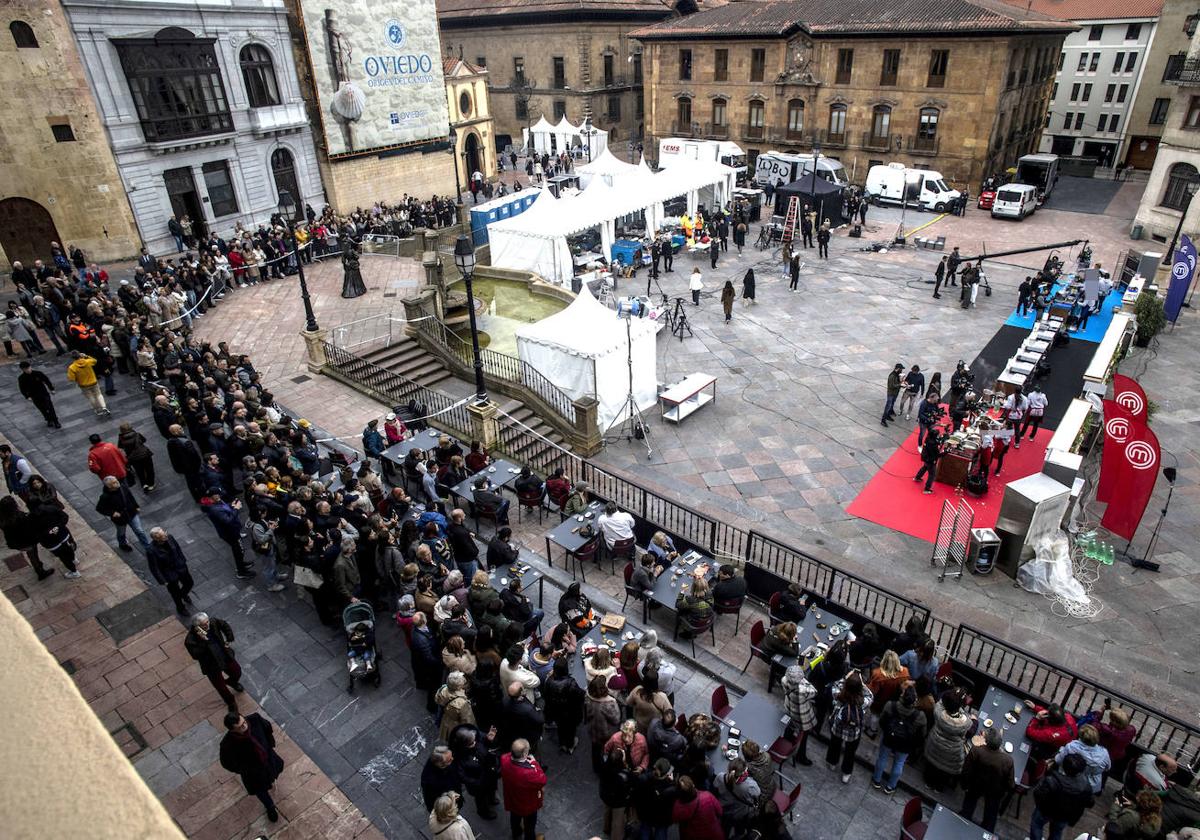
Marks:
<point>35,386</point>
<point>212,653</point>
<point>51,525</point>
<point>426,661</point>
<point>438,780</point>
<point>520,719</point>
<point>238,755</point>
<point>477,766</point>
<point>119,502</point>
<point>462,543</point>
<point>1063,798</point>
<point>166,560</point>
<point>21,532</point>
<point>185,457</point>
<point>500,554</point>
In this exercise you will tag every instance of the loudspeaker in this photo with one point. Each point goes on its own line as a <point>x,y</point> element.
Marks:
<point>856,231</point>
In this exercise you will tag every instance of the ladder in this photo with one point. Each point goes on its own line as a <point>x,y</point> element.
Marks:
<point>789,222</point>
<point>606,295</point>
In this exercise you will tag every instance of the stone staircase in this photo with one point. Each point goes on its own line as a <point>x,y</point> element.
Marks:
<point>409,359</point>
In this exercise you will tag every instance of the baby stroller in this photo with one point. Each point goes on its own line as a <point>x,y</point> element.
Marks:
<point>362,657</point>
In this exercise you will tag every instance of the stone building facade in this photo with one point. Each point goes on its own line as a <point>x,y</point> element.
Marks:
<point>202,107</point>
<point>470,119</point>
<point>554,59</point>
<point>1177,164</point>
<point>962,92</point>
<point>1151,106</point>
<point>58,179</point>
<point>1100,72</point>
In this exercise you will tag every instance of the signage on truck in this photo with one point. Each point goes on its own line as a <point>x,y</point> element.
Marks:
<point>771,170</point>
<point>378,79</point>
<point>671,148</point>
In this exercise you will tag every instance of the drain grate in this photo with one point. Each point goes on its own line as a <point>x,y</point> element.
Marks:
<point>301,379</point>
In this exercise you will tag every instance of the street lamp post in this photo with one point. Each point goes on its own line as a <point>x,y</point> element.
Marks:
<point>453,149</point>
<point>287,208</point>
<point>1190,193</point>
<point>464,258</point>
<point>587,133</point>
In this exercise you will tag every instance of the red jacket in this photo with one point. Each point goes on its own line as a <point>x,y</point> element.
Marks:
<point>1042,731</point>
<point>699,819</point>
<point>105,459</point>
<point>523,783</point>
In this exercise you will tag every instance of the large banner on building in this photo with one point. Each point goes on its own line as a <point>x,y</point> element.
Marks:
<point>377,69</point>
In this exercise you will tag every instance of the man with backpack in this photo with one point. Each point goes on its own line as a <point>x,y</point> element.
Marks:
<point>903,727</point>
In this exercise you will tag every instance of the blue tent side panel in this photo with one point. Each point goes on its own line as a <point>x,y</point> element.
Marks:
<point>500,208</point>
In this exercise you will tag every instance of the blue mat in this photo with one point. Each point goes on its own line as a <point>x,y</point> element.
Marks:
<point>1096,327</point>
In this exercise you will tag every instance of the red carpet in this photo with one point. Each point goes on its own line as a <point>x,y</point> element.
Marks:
<point>892,499</point>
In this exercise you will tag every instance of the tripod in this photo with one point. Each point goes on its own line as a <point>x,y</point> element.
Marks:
<point>633,426</point>
<point>679,320</point>
<point>1144,562</point>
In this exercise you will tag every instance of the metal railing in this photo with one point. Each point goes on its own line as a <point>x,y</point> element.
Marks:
<point>923,145</point>
<point>754,132</point>
<point>880,142</point>
<point>368,333</point>
<point>1185,72</point>
<point>500,366</point>
<point>992,658</point>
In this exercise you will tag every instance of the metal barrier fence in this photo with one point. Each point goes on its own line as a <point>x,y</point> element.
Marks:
<point>365,334</point>
<point>991,657</point>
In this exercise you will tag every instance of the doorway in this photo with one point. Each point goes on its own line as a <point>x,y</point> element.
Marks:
<point>471,155</point>
<point>1062,146</point>
<point>185,201</point>
<point>283,170</point>
<point>26,230</point>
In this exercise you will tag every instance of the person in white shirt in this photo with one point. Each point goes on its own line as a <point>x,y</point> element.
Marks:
<point>695,283</point>
<point>1036,410</point>
<point>615,524</point>
<point>513,669</point>
<point>1014,412</point>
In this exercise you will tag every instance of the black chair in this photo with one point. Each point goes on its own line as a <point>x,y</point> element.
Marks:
<point>634,593</point>
<point>697,627</point>
<point>731,606</point>
<point>583,555</point>
<point>530,500</point>
<point>622,550</point>
<point>491,512</point>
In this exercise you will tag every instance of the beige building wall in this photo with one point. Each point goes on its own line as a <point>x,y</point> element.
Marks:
<point>62,774</point>
<point>74,183</point>
<point>1180,145</point>
<point>471,118</point>
<point>1170,38</point>
<point>984,121</point>
<point>583,46</point>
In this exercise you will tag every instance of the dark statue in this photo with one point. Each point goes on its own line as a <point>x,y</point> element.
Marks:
<point>352,283</point>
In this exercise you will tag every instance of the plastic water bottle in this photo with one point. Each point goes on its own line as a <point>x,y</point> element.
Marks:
<point>1109,555</point>
<point>1083,542</point>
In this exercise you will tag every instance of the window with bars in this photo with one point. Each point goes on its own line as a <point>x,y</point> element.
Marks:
<point>62,132</point>
<point>176,84</point>
<point>560,72</point>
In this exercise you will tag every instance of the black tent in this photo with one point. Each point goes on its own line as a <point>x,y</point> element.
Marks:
<point>824,196</point>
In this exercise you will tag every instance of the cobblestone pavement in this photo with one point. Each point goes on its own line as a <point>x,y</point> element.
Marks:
<point>794,435</point>
<point>123,646</point>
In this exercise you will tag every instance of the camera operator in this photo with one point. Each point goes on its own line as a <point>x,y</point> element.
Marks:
<point>960,382</point>
<point>929,414</point>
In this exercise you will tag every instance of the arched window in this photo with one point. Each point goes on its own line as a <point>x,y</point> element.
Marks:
<point>1181,176</point>
<point>22,34</point>
<point>837,123</point>
<point>258,72</point>
<point>927,129</point>
<point>719,113</point>
<point>683,115</point>
<point>283,170</point>
<point>795,117</point>
<point>881,122</point>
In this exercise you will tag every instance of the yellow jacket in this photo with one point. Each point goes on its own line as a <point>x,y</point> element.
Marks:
<point>81,372</point>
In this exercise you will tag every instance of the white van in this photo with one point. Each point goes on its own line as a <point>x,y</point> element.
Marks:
<point>779,168</point>
<point>1015,201</point>
<point>926,188</point>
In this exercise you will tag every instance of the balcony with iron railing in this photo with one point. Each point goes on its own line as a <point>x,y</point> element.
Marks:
<point>685,129</point>
<point>829,139</point>
<point>713,131</point>
<point>918,145</point>
<point>754,132</point>
<point>877,142</point>
<point>1185,72</point>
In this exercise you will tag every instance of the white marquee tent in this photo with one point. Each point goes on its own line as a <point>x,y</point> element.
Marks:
<point>607,166</point>
<point>536,240</point>
<point>546,138</point>
<point>584,350</point>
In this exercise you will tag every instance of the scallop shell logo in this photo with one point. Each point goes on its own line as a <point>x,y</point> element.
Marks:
<point>1132,401</point>
<point>395,33</point>
<point>1118,429</point>
<point>1141,455</point>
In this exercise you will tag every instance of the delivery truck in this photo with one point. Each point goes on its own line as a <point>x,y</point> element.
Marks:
<point>1038,171</point>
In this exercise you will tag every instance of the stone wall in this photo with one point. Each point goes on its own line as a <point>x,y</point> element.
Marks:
<point>76,181</point>
<point>361,181</point>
